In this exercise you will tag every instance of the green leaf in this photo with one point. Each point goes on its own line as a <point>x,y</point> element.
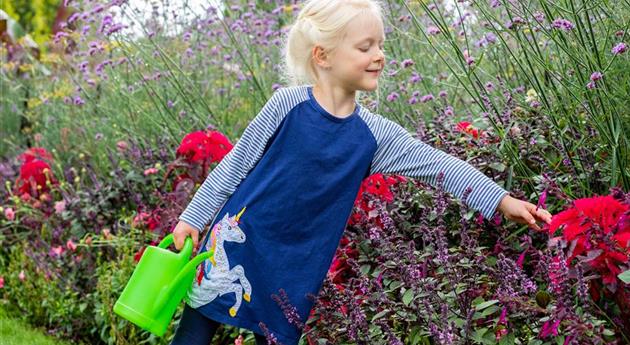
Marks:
<point>407,297</point>
<point>486,304</point>
<point>380,314</point>
<point>497,166</point>
<point>489,311</point>
<point>625,277</point>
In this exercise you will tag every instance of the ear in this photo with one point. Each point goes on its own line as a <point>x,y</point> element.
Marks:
<point>320,56</point>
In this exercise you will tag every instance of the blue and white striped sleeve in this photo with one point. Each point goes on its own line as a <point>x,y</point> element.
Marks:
<point>399,153</point>
<point>223,180</point>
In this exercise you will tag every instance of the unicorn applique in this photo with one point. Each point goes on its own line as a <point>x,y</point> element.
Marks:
<point>218,279</point>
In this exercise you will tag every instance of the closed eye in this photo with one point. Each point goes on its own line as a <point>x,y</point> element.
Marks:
<point>366,49</point>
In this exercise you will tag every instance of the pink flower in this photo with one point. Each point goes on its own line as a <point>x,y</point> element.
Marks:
<point>70,245</point>
<point>548,328</point>
<point>56,251</point>
<point>1,282</point>
<point>122,146</point>
<point>60,206</point>
<point>521,258</point>
<point>150,171</point>
<point>22,276</point>
<point>541,201</point>
<point>139,219</point>
<point>239,340</point>
<point>9,213</point>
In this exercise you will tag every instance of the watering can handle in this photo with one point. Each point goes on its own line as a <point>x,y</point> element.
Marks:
<point>186,250</point>
<point>163,296</point>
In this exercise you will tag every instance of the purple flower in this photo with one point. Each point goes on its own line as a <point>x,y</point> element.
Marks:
<point>489,86</point>
<point>495,3</point>
<point>562,24</point>
<point>596,76</point>
<point>443,94</point>
<point>107,21</point>
<point>290,311</point>
<point>539,16</point>
<point>426,98</point>
<point>433,30</point>
<point>413,100</point>
<point>393,96</point>
<point>590,85</point>
<point>169,103</point>
<point>515,22</point>
<point>115,28</point>
<point>78,100</point>
<point>59,35</point>
<point>407,62</point>
<point>619,49</point>
<point>271,338</point>
<point>415,77</point>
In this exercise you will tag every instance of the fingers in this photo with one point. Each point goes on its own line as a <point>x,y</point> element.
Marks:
<point>178,240</point>
<point>539,213</point>
<point>531,221</point>
<point>195,237</point>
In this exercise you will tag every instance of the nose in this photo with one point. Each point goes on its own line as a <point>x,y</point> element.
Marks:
<point>380,57</point>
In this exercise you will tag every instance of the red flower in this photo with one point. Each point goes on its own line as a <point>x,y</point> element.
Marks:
<point>587,224</point>
<point>378,185</point>
<point>204,146</point>
<point>467,127</point>
<point>34,173</point>
<point>138,254</point>
<point>35,153</point>
<point>604,211</point>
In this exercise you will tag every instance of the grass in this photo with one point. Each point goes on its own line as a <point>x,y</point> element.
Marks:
<point>16,332</point>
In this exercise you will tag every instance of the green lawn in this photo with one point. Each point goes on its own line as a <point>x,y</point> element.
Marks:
<point>16,332</point>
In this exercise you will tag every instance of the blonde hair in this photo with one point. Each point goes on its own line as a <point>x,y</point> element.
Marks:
<point>321,22</point>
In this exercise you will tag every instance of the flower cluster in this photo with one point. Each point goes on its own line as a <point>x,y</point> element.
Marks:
<point>35,174</point>
<point>598,227</point>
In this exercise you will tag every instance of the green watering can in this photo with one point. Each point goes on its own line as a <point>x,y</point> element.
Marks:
<point>158,284</point>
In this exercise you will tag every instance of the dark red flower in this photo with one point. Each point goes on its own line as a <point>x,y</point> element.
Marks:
<point>35,153</point>
<point>34,173</point>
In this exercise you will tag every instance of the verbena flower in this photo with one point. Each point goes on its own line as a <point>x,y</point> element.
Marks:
<point>562,24</point>
<point>620,48</point>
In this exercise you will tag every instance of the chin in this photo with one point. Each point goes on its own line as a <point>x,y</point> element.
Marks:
<point>372,87</point>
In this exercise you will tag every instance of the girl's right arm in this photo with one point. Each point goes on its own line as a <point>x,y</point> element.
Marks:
<point>223,180</point>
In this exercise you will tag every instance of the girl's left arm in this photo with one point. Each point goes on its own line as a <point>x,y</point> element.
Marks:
<point>400,153</point>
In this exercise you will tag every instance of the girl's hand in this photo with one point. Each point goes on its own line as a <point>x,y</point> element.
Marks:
<point>523,212</point>
<point>181,231</point>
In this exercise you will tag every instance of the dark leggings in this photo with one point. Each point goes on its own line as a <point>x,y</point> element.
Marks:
<point>196,329</point>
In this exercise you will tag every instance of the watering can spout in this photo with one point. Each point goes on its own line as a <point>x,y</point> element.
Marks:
<point>167,291</point>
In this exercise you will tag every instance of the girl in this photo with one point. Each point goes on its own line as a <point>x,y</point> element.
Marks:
<point>282,196</point>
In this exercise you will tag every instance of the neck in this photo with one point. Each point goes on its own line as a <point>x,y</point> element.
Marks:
<point>338,101</point>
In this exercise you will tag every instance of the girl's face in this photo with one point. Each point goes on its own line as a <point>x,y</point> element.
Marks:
<point>358,61</point>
